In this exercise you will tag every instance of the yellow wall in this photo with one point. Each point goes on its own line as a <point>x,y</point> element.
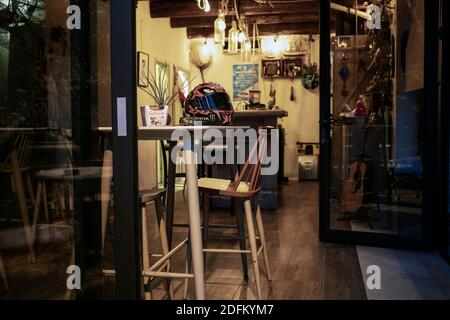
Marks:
<point>302,124</point>
<point>163,44</point>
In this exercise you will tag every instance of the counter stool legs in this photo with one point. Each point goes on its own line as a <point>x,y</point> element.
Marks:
<point>164,246</point>
<point>262,238</point>
<point>241,234</point>
<point>163,240</point>
<point>253,246</point>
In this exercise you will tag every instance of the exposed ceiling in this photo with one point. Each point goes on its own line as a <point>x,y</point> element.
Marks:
<point>279,17</point>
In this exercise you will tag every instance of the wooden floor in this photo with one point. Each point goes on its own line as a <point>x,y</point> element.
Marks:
<point>302,267</point>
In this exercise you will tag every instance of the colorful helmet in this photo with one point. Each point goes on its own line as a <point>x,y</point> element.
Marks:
<point>209,104</point>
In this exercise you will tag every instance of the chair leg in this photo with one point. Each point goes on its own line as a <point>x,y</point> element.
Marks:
<point>45,201</point>
<point>18,184</point>
<point>3,273</point>
<point>37,207</point>
<point>262,238</point>
<point>164,241</point>
<point>206,198</point>
<point>253,247</point>
<point>145,249</point>
<point>60,200</point>
<point>241,233</point>
<point>188,267</point>
<point>30,189</point>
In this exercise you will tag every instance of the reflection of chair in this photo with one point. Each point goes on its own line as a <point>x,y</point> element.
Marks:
<point>245,188</point>
<point>17,164</point>
<point>3,273</point>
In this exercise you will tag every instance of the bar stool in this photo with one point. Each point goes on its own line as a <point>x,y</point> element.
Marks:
<point>245,188</point>
<point>160,269</point>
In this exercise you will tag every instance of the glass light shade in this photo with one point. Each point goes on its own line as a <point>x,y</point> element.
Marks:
<point>219,29</point>
<point>242,36</point>
<point>233,38</point>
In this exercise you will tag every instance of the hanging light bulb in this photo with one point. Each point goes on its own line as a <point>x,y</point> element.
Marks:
<point>219,29</point>
<point>233,38</point>
<point>242,37</point>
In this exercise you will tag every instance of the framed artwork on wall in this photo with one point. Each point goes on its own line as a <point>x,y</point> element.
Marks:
<point>271,68</point>
<point>292,68</point>
<point>143,69</point>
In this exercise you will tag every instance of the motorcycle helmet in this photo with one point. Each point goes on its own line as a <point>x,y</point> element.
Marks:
<point>209,104</point>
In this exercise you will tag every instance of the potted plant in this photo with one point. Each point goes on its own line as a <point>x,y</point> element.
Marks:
<point>158,90</point>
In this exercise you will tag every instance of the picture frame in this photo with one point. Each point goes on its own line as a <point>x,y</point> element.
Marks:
<point>292,68</point>
<point>271,68</point>
<point>143,69</point>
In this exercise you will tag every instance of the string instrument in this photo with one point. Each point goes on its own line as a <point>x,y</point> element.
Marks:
<point>354,189</point>
<point>310,76</point>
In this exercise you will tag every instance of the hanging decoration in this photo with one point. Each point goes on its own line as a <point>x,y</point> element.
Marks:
<point>220,24</point>
<point>310,77</point>
<point>233,38</point>
<point>344,73</point>
<point>204,5</point>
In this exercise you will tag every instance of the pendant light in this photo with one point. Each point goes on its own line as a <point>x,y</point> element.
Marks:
<point>219,23</point>
<point>233,38</point>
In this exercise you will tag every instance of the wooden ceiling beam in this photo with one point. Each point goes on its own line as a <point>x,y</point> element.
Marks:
<point>204,22</point>
<point>264,30</point>
<point>188,8</point>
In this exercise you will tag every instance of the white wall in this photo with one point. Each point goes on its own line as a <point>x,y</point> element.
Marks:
<point>302,124</point>
<point>163,44</point>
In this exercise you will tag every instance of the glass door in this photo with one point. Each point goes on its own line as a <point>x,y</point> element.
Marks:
<point>377,124</point>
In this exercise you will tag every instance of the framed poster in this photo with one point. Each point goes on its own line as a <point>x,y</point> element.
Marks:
<point>143,69</point>
<point>245,79</point>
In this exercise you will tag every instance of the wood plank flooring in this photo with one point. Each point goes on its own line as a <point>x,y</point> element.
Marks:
<point>302,267</point>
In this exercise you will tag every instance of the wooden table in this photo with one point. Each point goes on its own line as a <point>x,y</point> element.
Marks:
<point>166,133</point>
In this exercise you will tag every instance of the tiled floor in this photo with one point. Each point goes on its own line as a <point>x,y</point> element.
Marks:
<point>406,275</point>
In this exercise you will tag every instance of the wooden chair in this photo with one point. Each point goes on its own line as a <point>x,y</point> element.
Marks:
<point>245,188</point>
<point>17,165</point>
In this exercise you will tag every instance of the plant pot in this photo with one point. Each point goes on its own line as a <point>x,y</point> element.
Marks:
<point>155,116</point>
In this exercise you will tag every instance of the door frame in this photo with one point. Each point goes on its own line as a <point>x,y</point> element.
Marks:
<point>431,197</point>
<point>128,277</point>
<point>444,131</point>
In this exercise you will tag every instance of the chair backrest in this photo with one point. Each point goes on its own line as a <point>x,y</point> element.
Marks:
<point>23,146</point>
<point>251,171</point>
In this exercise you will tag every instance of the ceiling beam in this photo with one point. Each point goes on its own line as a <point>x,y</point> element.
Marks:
<point>188,8</point>
<point>264,30</point>
<point>203,22</point>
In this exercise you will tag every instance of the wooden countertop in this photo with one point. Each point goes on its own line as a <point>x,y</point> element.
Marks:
<point>260,113</point>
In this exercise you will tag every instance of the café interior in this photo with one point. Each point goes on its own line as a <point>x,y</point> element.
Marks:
<point>200,230</point>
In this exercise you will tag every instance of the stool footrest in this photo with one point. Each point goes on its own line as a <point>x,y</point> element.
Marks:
<point>232,251</point>
<point>159,274</point>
